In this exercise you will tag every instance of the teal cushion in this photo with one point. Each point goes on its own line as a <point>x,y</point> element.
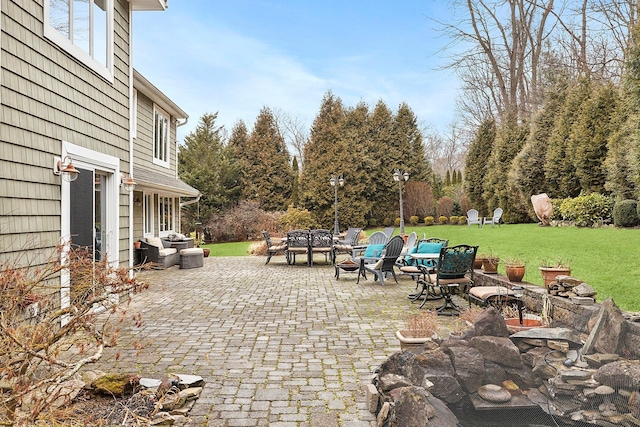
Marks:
<point>408,260</point>
<point>374,251</point>
<point>429,248</point>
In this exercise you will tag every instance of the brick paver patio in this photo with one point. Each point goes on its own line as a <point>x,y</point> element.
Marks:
<point>277,345</point>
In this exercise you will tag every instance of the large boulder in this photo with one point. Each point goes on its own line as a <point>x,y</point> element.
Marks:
<point>621,374</point>
<point>608,331</point>
<point>469,366</point>
<point>490,322</point>
<point>498,349</point>
<point>438,369</point>
<point>416,407</point>
<point>403,364</point>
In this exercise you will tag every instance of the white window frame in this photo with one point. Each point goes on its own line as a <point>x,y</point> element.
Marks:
<point>161,158</point>
<point>148,215</point>
<point>166,227</point>
<point>104,70</point>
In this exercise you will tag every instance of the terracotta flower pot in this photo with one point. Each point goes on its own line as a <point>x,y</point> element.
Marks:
<point>490,265</point>
<point>549,274</point>
<point>477,263</point>
<point>206,251</point>
<point>515,273</point>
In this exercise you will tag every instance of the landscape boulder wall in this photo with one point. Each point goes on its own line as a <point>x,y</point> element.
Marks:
<point>544,367</point>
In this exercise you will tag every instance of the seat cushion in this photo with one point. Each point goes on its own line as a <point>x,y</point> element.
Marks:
<point>155,241</point>
<point>484,292</point>
<point>167,251</point>
<point>191,251</point>
<point>373,251</point>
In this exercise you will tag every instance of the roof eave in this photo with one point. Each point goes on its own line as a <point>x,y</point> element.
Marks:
<point>149,5</point>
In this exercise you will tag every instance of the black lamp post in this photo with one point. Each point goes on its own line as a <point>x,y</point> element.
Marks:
<point>336,181</point>
<point>396,177</point>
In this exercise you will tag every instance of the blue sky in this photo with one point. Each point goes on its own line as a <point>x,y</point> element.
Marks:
<point>236,56</point>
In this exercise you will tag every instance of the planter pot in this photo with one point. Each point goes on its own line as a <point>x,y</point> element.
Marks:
<point>490,265</point>
<point>136,245</point>
<point>206,251</point>
<point>549,274</point>
<point>417,344</point>
<point>528,322</point>
<point>515,273</point>
<point>477,263</point>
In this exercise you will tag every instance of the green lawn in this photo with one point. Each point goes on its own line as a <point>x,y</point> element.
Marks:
<point>608,259</point>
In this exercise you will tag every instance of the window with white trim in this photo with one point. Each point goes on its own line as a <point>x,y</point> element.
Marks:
<point>148,215</point>
<point>165,214</point>
<point>160,137</point>
<point>84,28</point>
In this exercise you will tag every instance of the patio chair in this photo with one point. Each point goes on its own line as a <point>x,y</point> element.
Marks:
<point>454,270</point>
<point>388,231</point>
<point>410,266</point>
<point>411,243</point>
<point>373,249</point>
<point>321,242</point>
<point>495,219</point>
<point>386,263</point>
<point>272,249</point>
<point>298,243</point>
<point>347,244</point>
<point>160,252</point>
<point>472,218</point>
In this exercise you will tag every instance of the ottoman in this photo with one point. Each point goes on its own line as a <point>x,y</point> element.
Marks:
<point>191,258</point>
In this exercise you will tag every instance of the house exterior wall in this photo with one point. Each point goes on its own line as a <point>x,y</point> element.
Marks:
<point>47,97</point>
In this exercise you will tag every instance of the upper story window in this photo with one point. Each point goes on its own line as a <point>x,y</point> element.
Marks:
<point>84,28</point>
<point>160,137</point>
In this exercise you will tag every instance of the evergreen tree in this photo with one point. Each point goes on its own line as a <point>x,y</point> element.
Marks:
<point>559,171</point>
<point>354,166</point>
<point>206,164</point>
<point>623,146</point>
<point>406,134</point>
<point>589,138</point>
<point>528,173</point>
<point>476,165</point>
<point>238,145</point>
<point>324,155</point>
<point>269,178</point>
<point>447,179</point>
<point>510,138</point>
<point>384,156</point>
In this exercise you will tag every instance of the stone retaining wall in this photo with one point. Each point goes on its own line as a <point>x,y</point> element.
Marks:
<point>564,311</point>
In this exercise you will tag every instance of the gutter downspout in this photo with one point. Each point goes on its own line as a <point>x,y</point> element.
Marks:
<point>181,204</point>
<point>132,119</point>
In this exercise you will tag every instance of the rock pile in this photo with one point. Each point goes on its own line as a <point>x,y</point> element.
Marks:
<point>165,401</point>
<point>537,368</point>
<point>575,289</point>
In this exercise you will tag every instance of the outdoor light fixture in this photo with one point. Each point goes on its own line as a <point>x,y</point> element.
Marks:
<point>396,177</point>
<point>137,201</point>
<point>64,167</point>
<point>335,183</point>
<point>129,184</point>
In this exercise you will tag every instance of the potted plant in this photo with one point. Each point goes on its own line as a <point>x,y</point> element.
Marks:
<point>551,271</point>
<point>199,241</point>
<point>421,329</point>
<point>490,263</point>
<point>515,269</point>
